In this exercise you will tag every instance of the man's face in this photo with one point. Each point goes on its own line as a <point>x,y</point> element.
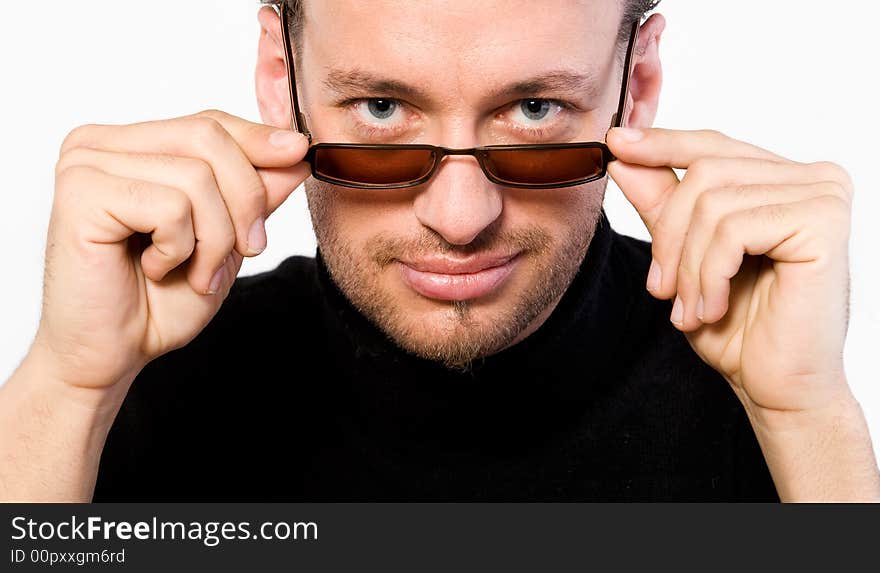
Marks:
<point>410,259</point>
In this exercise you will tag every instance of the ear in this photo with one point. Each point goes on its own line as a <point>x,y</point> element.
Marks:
<point>273,93</point>
<point>647,74</point>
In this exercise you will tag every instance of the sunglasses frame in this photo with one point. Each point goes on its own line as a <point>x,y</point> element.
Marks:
<point>299,124</point>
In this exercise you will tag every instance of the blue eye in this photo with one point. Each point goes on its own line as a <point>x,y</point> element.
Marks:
<point>381,108</point>
<point>535,109</point>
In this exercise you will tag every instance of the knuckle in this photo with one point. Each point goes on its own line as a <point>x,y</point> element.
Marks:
<point>837,189</point>
<point>699,170</point>
<point>77,137</point>
<point>831,170</point>
<point>713,134</point>
<point>181,248</point>
<point>176,208</point>
<point>742,190</point>
<point>199,174</point>
<point>255,190</point>
<point>707,206</point>
<point>70,158</point>
<point>834,203</point>
<point>71,180</point>
<point>138,190</point>
<point>726,230</point>
<point>220,240</point>
<point>253,196</point>
<point>837,174</point>
<point>207,131</point>
<point>215,114</point>
<point>836,210</point>
<point>226,240</point>
<point>188,244</point>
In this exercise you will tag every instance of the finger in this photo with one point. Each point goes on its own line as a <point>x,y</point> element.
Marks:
<point>646,158</point>
<point>115,208</point>
<point>656,147</point>
<point>280,177</point>
<point>214,232</point>
<point>205,138</point>
<point>672,224</point>
<point>646,188</point>
<point>811,232</point>
<point>281,182</point>
<point>712,207</point>
<point>263,145</point>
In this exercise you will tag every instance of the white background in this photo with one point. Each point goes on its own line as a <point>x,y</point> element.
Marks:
<point>792,76</point>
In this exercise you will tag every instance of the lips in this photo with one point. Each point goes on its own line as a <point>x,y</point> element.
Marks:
<point>444,278</point>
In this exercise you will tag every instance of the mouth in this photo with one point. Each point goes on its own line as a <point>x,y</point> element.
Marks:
<point>448,279</point>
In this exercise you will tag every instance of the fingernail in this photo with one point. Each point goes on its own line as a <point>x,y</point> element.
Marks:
<point>700,307</point>
<point>677,311</point>
<point>257,237</point>
<point>630,134</point>
<point>216,279</point>
<point>654,276</point>
<point>284,139</point>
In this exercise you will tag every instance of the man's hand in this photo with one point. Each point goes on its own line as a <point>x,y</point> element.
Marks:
<point>149,225</point>
<point>753,249</point>
<point>197,190</point>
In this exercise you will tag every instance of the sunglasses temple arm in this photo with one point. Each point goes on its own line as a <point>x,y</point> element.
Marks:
<point>297,119</point>
<point>619,117</point>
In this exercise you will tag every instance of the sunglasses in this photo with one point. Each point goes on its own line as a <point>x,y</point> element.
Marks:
<point>395,166</point>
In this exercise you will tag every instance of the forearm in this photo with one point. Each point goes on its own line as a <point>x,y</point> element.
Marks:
<point>51,435</point>
<point>823,455</point>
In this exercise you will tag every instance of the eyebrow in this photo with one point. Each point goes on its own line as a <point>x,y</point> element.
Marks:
<point>356,81</point>
<point>560,81</point>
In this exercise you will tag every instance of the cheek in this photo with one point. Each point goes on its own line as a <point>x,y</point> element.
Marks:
<point>352,216</point>
<point>560,212</point>
<point>319,197</point>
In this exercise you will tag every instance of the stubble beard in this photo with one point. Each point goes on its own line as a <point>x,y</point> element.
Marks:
<point>464,333</point>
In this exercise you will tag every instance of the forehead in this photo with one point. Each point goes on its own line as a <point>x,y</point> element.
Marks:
<point>459,45</point>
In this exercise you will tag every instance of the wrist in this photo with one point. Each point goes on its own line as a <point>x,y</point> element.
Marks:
<point>821,454</point>
<point>52,435</point>
<point>838,406</point>
<point>40,376</point>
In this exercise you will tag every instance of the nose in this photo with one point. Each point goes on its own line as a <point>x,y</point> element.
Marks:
<point>458,202</point>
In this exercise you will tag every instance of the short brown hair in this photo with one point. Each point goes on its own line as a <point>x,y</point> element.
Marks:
<point>632,10</point>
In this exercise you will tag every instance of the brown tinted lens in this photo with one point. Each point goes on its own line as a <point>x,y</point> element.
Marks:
<point>373,166</point>
<point>545,166</point>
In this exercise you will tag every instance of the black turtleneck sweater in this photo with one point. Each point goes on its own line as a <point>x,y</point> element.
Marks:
<point>290,394</point>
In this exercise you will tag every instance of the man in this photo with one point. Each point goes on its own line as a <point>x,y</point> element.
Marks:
<point>456,339</point>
